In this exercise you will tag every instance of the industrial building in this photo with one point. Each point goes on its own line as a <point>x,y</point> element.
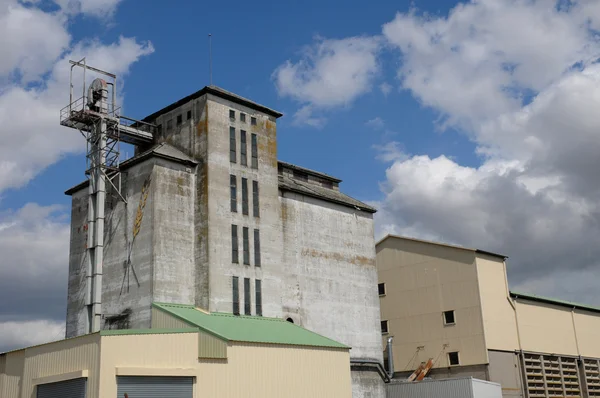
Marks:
<point>187,353</point>
<point>205,214</point>
<point>452,305</point>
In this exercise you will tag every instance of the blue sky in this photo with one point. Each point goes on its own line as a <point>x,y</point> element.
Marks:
<point>472,123</point>
<point>250,40</point>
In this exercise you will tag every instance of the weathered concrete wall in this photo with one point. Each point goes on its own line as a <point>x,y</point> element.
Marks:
<point>221,218</point>
<point>330,280</point>
<point>148,247</point>
<point>77,265</point>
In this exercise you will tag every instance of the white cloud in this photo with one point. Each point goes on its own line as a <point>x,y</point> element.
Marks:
<point>385,88</point>
<point>390,152</point>
<point>503,73</point>
<point>34,78</point>
<point>34,242</point>
<point>16,335</point>
<point>375,123</point>
<point>330,73</point>
<point>31,137</point>
<point>97,8</point>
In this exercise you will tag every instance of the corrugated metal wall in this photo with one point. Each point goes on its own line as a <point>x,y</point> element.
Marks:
<point>211,347</point>
<point>13,370</point>
<point>162,320</point>
<point>81,353</point>
<point>450,388</point>
<point>266,371</point>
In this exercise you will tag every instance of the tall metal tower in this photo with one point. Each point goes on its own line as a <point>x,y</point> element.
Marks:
<point>97,118</point>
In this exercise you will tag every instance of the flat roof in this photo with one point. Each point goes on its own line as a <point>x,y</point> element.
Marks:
<point>440,244</point>
<point>219,92</point>
<point>547,300</point>
<point>245,328</point>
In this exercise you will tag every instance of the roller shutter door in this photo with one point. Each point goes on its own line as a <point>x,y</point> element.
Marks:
<point>74,388</point>
<point>154,387</point>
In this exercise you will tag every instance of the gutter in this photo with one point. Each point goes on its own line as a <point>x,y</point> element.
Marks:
<point>372,362</point>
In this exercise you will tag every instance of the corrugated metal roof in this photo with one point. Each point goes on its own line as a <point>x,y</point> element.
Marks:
<point>429,242</point>
<point>252,329</point>
<point>330,195</point>
<point>562,303</point>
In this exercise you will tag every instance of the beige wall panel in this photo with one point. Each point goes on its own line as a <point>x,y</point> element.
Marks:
<point>162,320</point>
<point>281,372</point>
<point>587,326</point>
<point>498,315</point>
<point>177,350</point>
<point>11,376</point>
<point>249,371</point>
<point>546,328</point>
<point>211,347</point>
<point>66,356</point>
<point>422,281</point>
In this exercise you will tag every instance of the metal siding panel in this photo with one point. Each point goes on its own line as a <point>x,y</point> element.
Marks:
<point>163,320</point>
<point>155,387</point>
<point>72,355</point>
<point>211,347</point>
<point>451,388</point>
<point>74,388</point>
<point>10,385</point>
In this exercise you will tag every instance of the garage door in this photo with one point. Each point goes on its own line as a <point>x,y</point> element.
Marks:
<point>74,388</point>
<point>154,387</point>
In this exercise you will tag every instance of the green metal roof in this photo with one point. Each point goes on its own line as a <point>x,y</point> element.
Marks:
<point>253,329</point>
<point>562,303</point>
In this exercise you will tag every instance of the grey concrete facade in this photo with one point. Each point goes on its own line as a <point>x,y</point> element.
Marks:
<point>317,252</point>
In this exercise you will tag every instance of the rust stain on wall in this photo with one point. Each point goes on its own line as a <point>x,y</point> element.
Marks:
<point>202,126</point>
<point>357,260</point>
<point>180,183</point>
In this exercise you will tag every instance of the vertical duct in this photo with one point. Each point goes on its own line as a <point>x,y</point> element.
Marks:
<point>390,357</point>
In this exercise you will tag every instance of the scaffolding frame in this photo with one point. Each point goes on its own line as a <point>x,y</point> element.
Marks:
<point>96,116</point>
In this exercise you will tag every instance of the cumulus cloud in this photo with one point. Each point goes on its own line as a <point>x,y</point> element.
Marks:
<point>385,88</point>
<point>521,80</point>
<point>375,123</point>
<point>31,137</point>
<point>330,73</point>
<point>34,77</point>
<point>15,335</point>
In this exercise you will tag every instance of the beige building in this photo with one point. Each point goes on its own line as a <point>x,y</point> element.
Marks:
<point>188,353</point>
<point>453,305</point>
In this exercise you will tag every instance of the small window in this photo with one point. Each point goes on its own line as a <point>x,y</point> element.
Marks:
<point>247,303</point>
<point>254,151</point>
<point>179,119</point>
<point>233,188</point>
<point>169,125</point>
<point>256,248</point>
<point>236,295</point>
<point>453,358</point>
<point>300,175</point>
<point>246,246</point>
<point>234,244</point>
<point>258,293</point>
<point>253,121</point>
<point>449,318</point>
<point>244,196</point>
<point>243,117</point>
<point>159,129</point>
<point>243,149</point>
<point>232,114</point>
<point>381,288</point>
<point>232,144</point>
<point>189,115</point>
<point>255,203</point>
<point>384,327</point>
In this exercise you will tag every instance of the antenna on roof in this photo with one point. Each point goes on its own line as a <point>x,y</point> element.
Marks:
<point>210,57</point>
